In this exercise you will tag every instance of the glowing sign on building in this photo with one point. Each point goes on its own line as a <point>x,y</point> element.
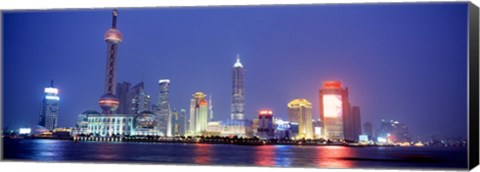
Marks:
<point>265,112</point>
<point>332,84</point>
<point>52,98</point>
<point>24,130</point>
<point>332,106</point>
<point>50,90</point>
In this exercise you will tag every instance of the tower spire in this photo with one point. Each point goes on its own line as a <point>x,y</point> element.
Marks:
<point>238,63</point>
<point>51,83</point>
<point>114,18</point>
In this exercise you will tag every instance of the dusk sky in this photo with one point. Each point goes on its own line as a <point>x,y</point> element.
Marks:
<point>406,62</point>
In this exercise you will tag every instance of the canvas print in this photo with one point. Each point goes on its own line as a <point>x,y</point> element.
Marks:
<point>315,86</point>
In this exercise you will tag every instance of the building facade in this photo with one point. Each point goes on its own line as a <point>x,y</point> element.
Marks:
<point>334,110</point>
<point>236,127</point>
<point>122,92</point>
<point>198,114</point>
<point>368,130</point>
<point>49,108</point>
<point>182,122</point>
<point>238,91</point>
<point>163,108</point>
<point>356,124</point>
<point>116,125</point>
<point>265,128</point>
<point>139,100</point>
<point>300,111</point>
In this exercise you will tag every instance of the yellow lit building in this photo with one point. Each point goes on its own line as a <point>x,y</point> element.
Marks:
<point>300,111</point>
<point>198,114</point>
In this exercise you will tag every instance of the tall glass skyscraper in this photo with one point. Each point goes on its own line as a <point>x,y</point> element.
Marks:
<point>49,108</point>
<point>238,92</point>
<point>163,108</point>
<point>198,114</point>
<point>139,100</point>
<point>182,122</point>
<point>300,111</point>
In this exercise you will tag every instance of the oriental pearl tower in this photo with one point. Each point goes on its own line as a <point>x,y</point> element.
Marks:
<point>109,102</point>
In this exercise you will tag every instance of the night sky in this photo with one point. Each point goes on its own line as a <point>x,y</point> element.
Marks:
<point>406,62</point>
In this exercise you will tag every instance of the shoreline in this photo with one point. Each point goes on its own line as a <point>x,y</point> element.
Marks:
<point>244,142</point>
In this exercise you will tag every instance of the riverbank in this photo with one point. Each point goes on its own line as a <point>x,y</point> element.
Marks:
<point>200,140</point>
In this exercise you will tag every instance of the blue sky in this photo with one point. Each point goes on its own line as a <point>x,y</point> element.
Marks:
<point>406,62</point>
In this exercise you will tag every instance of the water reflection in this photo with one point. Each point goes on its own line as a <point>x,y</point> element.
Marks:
<point>284,154</point>
<point>106,151</point>
<point>334,157</point>
<point>265,155</point>
<point>202,153</point>
<point>47,150</point>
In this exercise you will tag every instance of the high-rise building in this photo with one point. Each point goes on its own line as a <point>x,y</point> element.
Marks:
<point>182,122</point>
<point>300,111</point>
<point>334,109</point>
<point>174,120</point>
<point>163,108</point>
<point>265,127</point>
<point>238,92</point>
<point>368,130</point>
<point>123,95</point>
<point>210,108</point>
<point>356,124</point>
<point>317,128</point>
<point>49,108</point>
<point>109,102</point>
<point>198,114</point>
<point>139,100</point>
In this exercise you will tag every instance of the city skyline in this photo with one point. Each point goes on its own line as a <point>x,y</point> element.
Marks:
<point>276,99</point>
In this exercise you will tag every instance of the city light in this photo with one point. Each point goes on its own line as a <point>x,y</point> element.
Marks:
<point>332,84</point>
<point>381,140</point>
<point>164,80</point>
<point>332,106</point>
<point>50,90</point>
<point>363,138</point>
<point>24,130</point>
<point>52,98</point>
<point>266,112</point>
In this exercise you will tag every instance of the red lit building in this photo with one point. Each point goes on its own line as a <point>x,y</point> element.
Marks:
<point>265,124</point>
<point>335,111</point>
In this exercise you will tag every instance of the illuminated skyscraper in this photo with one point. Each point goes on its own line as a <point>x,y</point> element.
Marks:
<point>182,122</point>
<point>109,102</point>
<point>163,108</point>
<point>174,120</point>
<point>210,108</point>
<point>300,111</point>
<point>198,114</point>
<point>49,108</point>
<point>238,92</point>
<point>334,108</point>
<point>139,100</point>
<point>265,127</point>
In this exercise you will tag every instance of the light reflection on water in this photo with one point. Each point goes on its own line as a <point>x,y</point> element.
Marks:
<point>331,156</point>
<point>202,153</point>
<point>266,155</point>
